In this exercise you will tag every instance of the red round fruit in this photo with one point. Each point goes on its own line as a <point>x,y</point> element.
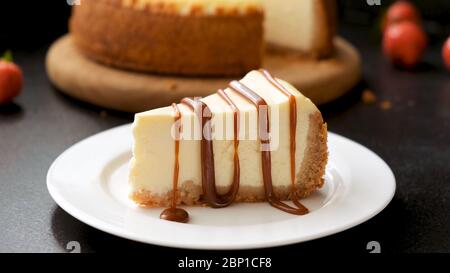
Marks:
<point>404,43</point>
<point>446,53</point>
<point>11,80</point>
<point>402,11</point>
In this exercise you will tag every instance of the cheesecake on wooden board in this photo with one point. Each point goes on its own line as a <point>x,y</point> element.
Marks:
<point>201,37</point>
<point>259,139</point>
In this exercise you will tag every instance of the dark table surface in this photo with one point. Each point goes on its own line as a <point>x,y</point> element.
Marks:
<point>413,137</point>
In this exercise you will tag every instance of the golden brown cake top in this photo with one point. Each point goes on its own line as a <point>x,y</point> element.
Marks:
<point>197,7</point>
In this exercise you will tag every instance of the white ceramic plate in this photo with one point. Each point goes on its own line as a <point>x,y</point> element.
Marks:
<point>89,181</point>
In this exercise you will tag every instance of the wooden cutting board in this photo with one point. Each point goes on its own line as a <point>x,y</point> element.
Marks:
<point>108,87</point>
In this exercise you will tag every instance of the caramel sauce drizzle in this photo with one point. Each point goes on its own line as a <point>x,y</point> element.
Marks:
<point>263,123</point>
<point>292,130</point>
<point>214,199</point>
<point>236,166</point>
<point>203,113</point>
<point>173,213</point>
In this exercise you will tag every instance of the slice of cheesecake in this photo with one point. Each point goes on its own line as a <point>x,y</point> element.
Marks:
<point>304,26</point>
<point>258,139</point>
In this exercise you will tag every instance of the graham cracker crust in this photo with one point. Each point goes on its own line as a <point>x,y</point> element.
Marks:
<point>309,178</point>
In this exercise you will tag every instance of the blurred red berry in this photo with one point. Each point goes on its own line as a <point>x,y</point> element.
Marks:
<point>401,11</point>
<point>11,79</point>
<point>404,43</point>
<point>446,53</point>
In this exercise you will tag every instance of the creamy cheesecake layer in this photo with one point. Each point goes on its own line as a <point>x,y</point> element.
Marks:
<point>154,154</point>
<point>300,25</point>
<point>187,7</point>
<point>290,24</point>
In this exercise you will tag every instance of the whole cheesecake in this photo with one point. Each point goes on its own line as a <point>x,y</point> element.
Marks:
<point>187,37</point>
<point>201,37</point>
<point>259,139</point>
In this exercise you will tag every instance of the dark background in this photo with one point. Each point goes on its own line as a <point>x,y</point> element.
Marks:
<point>29,24</point>
<point>412,136</point>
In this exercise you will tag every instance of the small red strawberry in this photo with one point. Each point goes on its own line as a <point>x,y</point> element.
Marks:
<point>404,43</point>
<point>401,11</point>
<point>11,79</point>
<point>446,53</point>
